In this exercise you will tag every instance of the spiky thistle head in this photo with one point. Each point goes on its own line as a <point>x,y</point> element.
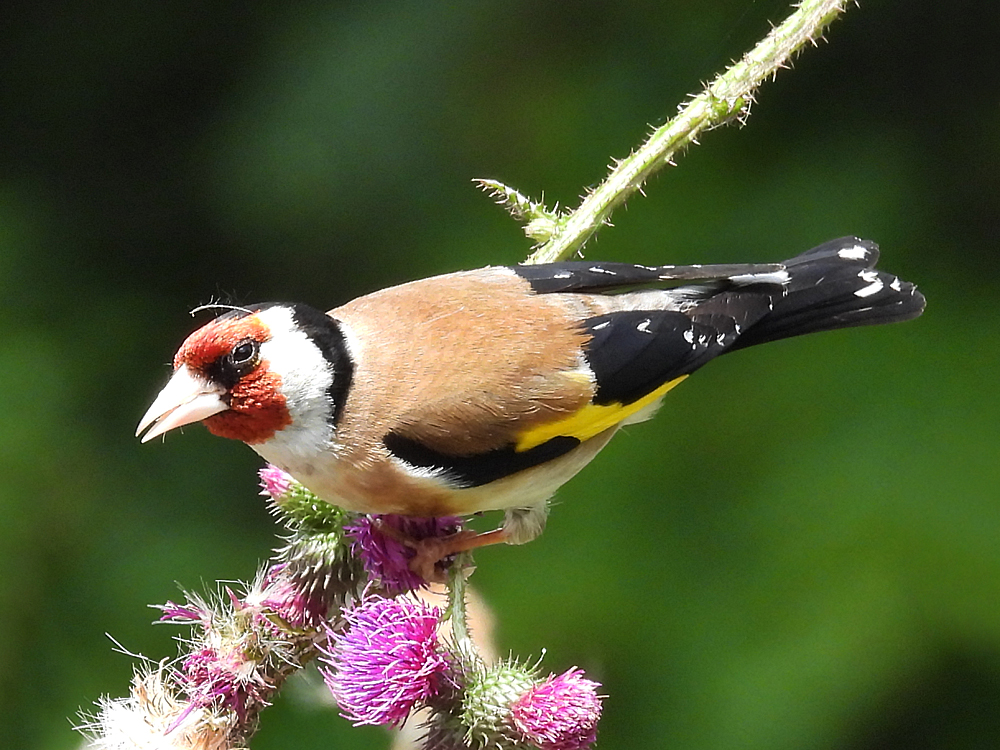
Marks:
<point>387,661</point>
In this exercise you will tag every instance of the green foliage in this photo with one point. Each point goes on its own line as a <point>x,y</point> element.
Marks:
<point>799,552</point>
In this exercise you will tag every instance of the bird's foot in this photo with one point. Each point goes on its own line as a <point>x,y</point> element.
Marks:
<point>433,555</point>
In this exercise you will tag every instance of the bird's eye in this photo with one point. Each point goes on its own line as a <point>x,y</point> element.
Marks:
<point>244,355</point>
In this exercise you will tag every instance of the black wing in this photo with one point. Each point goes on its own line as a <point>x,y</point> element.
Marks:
<point>834,285</point>
<point>480,468</point>
<point>634,352</point>
<point>581,276</point>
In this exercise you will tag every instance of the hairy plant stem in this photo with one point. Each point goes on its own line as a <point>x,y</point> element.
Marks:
<point>457,610</point>
<point>726,98</point>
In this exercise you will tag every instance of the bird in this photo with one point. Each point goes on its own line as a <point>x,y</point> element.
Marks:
<point>487,390</point>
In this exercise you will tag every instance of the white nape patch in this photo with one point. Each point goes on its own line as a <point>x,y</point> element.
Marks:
<point>874,284</point>
<point>857,252</point>
<point>305,379</point>
<point>773,277</point>
<point>598,269</point>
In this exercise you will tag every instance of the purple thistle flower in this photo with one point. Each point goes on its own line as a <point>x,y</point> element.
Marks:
<point>299,605</point>
<point>183,613</point>
<point>275,482</point>
<point>386,662</point>
<point>377,541</point>
<point>560,713</point>
<point>223,681</point>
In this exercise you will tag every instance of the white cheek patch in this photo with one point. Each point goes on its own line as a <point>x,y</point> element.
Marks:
<point>306,377</point>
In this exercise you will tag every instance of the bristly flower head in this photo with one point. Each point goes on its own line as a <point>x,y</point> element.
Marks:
<point>560,713</point>
<point>387,662</point>
<point>315,569</point>
<point>274,482</point>
<point>154,715</point>
<point>377,541</point>
<point>507,706</point>
<point>297,506</point>
<point>224,680</point>
<point>488,696</point>
<point>299,601</point>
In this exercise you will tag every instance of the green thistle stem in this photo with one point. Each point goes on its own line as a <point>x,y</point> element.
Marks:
<point>726,98</point>
<point>457,611</point>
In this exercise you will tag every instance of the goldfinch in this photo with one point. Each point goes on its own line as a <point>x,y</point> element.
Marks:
<point>489,389</point>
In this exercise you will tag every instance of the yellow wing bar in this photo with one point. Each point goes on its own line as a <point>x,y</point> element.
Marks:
<point>591,420</point>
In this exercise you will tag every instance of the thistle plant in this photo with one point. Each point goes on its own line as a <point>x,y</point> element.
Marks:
<point>339,591</point>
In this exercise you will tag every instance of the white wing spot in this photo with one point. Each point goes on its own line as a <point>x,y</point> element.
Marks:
<point>643,327</point>
<point>858,252</point>
<point>895,285</point>
<point>874,284</point>
<point>598,269</point>
<point>646,268</point>
<point>689,336</point>
<point>775,277</point>
<point>601,326</point>
<point>562,275</point>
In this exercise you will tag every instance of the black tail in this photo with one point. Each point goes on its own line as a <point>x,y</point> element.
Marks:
<point>835,286</point>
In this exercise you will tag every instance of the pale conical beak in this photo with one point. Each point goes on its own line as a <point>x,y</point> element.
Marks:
<point>186,398</point>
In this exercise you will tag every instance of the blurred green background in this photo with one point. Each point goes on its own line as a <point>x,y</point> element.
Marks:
<point>802,551</point>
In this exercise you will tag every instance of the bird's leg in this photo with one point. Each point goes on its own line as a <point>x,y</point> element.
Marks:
<point>429,552</point>
<point>520,525</point>
<point>432,550</point>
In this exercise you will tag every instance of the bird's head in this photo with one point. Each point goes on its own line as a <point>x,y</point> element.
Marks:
<point>256,372</point>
